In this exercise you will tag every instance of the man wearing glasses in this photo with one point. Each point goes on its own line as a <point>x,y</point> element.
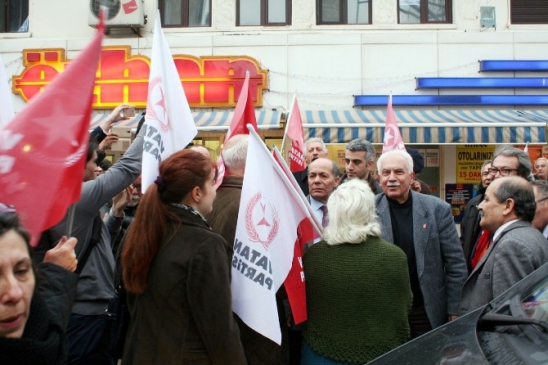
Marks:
<point>516,248</point>
<point>540,188</point>
<point>469,227</point>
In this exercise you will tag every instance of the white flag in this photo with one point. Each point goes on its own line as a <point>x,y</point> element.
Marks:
<point>169,123</point>
<point>6,107</point>
<point>269,214</point>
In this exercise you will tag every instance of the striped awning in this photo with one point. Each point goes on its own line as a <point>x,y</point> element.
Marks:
<point>207,120</point>
<point>430,126</point>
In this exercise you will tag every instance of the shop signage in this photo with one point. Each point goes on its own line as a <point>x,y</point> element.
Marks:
<point>209,81</point>
<point>470,158</point>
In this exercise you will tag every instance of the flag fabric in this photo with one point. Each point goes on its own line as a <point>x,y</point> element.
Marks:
<point>392,136</point>
<point>294,130</point>
<point>168,123</point>
<point>244,114</point>
<point>307,231</point>
<point>6,107</point>
<point>43,149</point>
<point>269,215</point>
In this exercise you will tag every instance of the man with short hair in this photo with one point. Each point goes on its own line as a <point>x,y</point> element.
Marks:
<point>323,178</point>
<point>359,158</point>
<point>517,248</point>
<point>540,222</point>
<point>315,148</point>
<point>510,161</point>
<point>422,226</point>
<point>469,227</point>
<point>541,168</point>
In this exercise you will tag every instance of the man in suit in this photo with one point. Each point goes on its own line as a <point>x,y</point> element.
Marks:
<point>315,148</point>
<point>540,222</point>
<point>422,226</point>
<point>323,179</point>
<point>517,248</point>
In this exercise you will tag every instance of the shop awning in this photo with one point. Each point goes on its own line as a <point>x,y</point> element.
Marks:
<point>208,120</point>
<point>430,126</point>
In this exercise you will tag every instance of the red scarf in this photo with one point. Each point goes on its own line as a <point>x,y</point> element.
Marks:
<point>484,241</point>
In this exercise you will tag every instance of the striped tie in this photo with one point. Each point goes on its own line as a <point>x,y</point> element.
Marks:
<point>325,219</point>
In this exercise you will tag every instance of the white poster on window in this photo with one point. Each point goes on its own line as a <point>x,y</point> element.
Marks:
<point>432,158</point>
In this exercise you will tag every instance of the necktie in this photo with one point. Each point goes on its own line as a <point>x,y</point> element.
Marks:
<point>325,219</point>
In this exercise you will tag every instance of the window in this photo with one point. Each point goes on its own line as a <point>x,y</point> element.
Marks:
<point>263,12</point>
<point>185,13</point>
<point>344,11</point>
<point>529,11</point>
<point>14,16</point>
<point>425,11</point>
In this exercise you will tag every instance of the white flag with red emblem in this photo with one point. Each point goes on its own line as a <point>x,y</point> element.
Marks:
<point>270,212</point>
<point>169,124</point>
<point>392,136</point>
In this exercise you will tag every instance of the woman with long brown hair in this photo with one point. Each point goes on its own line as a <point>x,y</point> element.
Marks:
<point>177,272</point>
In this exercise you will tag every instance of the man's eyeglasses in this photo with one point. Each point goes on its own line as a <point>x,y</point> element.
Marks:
<point>541,200</point>
<point>485,173</point>
<point>504,171</point>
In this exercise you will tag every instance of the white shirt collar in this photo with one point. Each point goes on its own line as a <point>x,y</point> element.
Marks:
<point>501,228</point>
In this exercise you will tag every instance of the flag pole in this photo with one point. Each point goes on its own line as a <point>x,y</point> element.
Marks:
<point>70,220</point>
<point>287,183</point>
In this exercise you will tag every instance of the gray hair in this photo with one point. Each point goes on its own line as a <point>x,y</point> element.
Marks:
<point>362,145</point>
<point>315,140</point>
<point>401,153</point>
<point>542,187</point>
<point>524,162</point>
<point>235,152</point>
<point>487,162</point>
<point>521,192</point>
<point>352,216</point>
<point>336,171</point>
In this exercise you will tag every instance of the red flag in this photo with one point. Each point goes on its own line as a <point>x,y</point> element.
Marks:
<point>243,114</point>
<point>306,232</point>
<point>392,136</point>
<point>43,149</point>
<point>295,132</point>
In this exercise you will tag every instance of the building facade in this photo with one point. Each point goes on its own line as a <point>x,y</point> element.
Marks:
<point>341,58</point>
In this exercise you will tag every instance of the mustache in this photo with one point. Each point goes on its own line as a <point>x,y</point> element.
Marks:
<point>393,185</point>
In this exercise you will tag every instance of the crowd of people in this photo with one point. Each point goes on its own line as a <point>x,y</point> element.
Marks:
<point>389,267</point>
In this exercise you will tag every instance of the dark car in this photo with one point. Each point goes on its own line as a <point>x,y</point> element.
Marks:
<point>512,329</point>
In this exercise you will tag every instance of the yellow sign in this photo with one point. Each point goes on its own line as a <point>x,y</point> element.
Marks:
<point>470,158</point>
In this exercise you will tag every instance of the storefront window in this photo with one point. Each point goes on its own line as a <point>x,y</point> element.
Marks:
<point>14,16</point>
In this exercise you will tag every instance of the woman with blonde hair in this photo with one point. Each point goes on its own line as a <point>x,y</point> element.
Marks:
<point>177,272</point>
<point>357,285</point>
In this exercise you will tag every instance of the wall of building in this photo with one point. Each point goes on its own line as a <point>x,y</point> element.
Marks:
<point>325,65</point>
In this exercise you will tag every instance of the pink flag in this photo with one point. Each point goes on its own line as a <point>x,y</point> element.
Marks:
<point>270,212</point>
<point>169,123</point>
<point>392,136</point>
<point>244,114</point>
<point>294,131</point>
<point>43,149</point>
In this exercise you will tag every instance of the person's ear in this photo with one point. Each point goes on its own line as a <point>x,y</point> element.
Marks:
<point>196,194</point>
